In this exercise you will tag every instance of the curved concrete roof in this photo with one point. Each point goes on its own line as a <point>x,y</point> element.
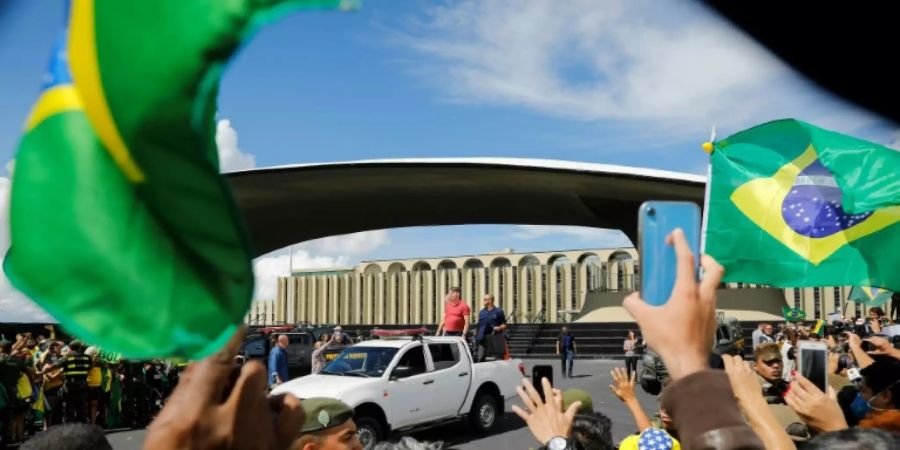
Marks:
<point>289,204</point>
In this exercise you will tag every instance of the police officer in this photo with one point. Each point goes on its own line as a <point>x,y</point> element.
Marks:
<point>328,426</point>
<point>75,368</point>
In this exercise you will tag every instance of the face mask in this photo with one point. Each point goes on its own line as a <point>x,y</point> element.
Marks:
<point>860,407</point>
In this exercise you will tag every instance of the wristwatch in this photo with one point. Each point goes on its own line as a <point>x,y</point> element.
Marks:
<point>557,443</point>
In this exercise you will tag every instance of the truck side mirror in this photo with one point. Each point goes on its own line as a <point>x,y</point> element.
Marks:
<point>401,372</point>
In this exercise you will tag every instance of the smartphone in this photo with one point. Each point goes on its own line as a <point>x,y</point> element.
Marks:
<point>813,362</point>
<point>538,372</point>
<point>656,219</point>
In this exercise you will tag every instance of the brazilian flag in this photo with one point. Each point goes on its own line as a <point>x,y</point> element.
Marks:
<point>794,205</point>
<point>869,296</point>
<point>121,226</point>
<point>793,314</point>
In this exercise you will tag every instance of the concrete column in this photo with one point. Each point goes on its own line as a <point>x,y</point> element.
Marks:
<point>404,299</point>
<point>552,297</point>
<point>429,298</point>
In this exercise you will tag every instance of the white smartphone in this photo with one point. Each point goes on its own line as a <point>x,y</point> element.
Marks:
<point>813,362</point>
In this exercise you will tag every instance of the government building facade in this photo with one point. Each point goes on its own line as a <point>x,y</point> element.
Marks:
<point>545,286</point>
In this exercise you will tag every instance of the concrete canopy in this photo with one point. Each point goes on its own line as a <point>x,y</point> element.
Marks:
<point>290,204</point>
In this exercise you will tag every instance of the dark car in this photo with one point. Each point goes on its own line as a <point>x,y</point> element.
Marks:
<point>299,352</point>
<point>729,341</point>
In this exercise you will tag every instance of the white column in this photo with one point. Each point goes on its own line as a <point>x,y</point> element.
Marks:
<point>552,314</point>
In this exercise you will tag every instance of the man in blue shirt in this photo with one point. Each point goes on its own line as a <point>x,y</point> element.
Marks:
<point>278,366</point>
<point>490,320</point>
<point>565,348</point>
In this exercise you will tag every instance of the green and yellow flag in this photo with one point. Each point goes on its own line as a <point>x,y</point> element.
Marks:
<point>793,205</point>
<point>121,226</point>
<point>869,296</point>
<point>792,314</point>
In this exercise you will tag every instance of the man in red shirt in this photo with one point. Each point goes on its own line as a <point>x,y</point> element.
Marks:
<point>456,315</point>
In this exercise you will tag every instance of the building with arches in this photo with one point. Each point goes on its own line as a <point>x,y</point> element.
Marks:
<point>553,285</point>
<point>411,291</point>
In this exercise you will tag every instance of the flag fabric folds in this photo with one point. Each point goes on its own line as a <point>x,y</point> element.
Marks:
<point>121,226</point>
<point>793,205</point>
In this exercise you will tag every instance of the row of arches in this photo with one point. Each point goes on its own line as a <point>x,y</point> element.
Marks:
<point>499,261</point>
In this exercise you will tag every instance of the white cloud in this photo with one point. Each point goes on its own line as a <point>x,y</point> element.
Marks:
<point>597,237</point>
<point>14,306</point>
<point>354,244</point>
<point>325,253</point>
<point>674,64</point>
<point>231,158</point>
<point>268,268</point>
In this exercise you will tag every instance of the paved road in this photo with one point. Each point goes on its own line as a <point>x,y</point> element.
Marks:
<point>511,433</point>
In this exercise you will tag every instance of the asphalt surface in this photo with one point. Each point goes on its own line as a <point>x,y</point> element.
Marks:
<point>511,432</point>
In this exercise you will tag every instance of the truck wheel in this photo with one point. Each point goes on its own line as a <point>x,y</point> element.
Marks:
<point>651,386</point>
<point>484,413</point>
<point>369,432</point>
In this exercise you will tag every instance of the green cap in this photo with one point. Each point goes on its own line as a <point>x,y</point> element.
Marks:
<point>324,413</point>
<point>577,395</point>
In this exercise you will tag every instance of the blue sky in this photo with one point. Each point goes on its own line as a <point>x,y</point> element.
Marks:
<point>635,83</point>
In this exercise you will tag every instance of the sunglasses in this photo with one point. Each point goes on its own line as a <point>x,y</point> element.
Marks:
<point>772,362</point>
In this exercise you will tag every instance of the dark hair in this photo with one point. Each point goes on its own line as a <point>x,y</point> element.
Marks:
<point>70,436</point>
<point>593,431</point>
<point>855,439</point>
<point>883,374</point>
<point>455,289</point>
<point>878,311</point>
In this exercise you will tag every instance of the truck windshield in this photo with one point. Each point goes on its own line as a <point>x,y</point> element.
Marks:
<point>361,361</point>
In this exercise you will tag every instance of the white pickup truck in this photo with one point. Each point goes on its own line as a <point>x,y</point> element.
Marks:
<point>405,384</point>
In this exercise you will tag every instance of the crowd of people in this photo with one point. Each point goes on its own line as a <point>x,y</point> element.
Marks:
<point>45,382</point>
<point>756,404</point>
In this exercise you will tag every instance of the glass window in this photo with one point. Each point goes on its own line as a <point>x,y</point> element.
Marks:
<point>414,358</point>
<point>361,361</point>
<point>254,348</point>
<point>444,356</point>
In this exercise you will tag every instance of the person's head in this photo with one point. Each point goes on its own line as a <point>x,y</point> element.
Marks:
<point>92,352</point>
<point>70,436</point>
<point>454,294</point>
<point>767,329</point>
<point>593,430</point>
<point>565,330</point>
<point>75,346</point>
<point>54,347</point>
<point>767,361</point>
<point>31,343</point>
<point>631,334</point>
<point>880,387</point>
<point>571,396</point>
<point>328,426</point>
<point>876,313</point>
<point>283,341</point>
<point>489,301</point>
<point>664,416</point>
<point>854,439</point>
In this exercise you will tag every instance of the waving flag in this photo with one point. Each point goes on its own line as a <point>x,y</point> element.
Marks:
<point>793,314</point>
<point>869,296</point>
<point>780,202</point>
<point>121,226</point>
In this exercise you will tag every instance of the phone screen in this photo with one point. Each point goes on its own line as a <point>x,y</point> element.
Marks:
<point>538,372</point>
<point>813,366</point>
<point>656,220</point>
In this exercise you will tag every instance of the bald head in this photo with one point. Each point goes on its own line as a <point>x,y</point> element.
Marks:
<point>283,341</point>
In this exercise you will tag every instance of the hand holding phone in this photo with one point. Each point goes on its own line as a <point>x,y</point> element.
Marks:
<point>813,363</point>
<point>656,220</point>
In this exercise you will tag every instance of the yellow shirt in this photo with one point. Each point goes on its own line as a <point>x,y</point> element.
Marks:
<point>94,377</point>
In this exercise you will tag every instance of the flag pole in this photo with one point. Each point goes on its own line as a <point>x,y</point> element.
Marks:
<point>708,148</point>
